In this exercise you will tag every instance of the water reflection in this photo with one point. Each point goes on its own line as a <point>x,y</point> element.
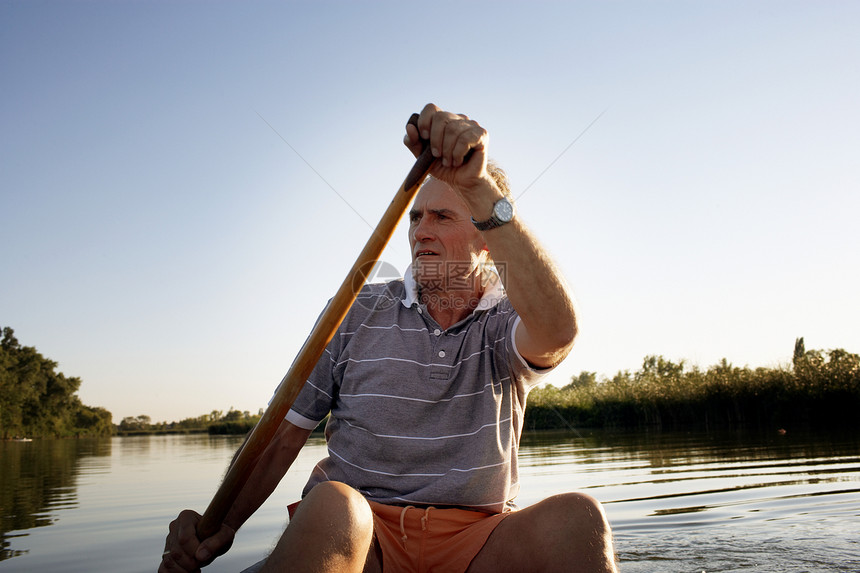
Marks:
<point>788,502</point>
<point>677,502</point>
<point>37,479</point>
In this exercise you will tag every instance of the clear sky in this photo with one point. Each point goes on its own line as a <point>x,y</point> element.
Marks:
<point>163,243</point>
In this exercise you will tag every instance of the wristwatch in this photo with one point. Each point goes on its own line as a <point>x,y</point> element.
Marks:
<point>503,212</point>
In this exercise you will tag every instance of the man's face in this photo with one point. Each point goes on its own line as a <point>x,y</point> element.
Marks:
<point>446,246</point>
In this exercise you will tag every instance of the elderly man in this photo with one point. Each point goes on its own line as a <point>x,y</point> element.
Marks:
<point>426,383</point>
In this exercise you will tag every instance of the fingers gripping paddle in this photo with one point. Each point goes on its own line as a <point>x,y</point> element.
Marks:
<point>313,348</point>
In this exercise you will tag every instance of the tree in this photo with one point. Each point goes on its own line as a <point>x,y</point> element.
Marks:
<point>232,416</point>
<point>132,424</point>
<point>585,380</point>
<point>37,400</point>
<point>799,351</point>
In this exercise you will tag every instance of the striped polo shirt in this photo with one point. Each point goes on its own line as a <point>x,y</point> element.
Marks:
<point>421,415</point>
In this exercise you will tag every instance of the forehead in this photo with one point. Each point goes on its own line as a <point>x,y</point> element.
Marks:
<point>436,195</point>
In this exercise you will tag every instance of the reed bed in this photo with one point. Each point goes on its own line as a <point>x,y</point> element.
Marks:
<point>819,389</point>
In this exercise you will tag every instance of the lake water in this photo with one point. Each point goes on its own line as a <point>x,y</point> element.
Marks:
<point>677,502</point>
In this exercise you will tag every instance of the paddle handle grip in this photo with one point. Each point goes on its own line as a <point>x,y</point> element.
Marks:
<point>422,163</point>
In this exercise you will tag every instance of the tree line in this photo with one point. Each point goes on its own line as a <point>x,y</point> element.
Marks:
<point>215,422</point>
<point>819,390</point>
<point>38,401</point>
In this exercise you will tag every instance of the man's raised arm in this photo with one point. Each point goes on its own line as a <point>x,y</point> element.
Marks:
<point>534,285</point>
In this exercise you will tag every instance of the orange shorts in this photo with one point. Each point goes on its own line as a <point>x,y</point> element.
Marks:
<point>424,540</point>
<point>427,540</point>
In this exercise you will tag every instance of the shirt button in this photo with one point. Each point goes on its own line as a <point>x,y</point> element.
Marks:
<point>441,354</point>
<point>437,332</point>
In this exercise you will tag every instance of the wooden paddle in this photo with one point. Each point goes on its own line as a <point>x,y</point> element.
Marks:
<point>313,348</point>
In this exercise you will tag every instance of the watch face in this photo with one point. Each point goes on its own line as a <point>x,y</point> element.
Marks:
<point>503,210</point>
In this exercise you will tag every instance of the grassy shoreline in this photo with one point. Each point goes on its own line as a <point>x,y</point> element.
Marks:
<point>820,390</point>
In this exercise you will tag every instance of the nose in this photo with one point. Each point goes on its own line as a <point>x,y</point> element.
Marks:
<point>421,230</point>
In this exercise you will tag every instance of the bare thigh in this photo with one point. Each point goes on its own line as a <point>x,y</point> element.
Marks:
<point>332,531</point>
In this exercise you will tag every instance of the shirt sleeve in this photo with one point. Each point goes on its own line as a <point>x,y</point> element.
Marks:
<point>317,396</point>
<point>526,375</point>
<point>297,419</point>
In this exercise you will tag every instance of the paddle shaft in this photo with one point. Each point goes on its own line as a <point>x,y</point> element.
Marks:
<point>304,363</point>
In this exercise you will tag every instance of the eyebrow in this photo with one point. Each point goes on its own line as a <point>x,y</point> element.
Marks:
<point>446,212</point>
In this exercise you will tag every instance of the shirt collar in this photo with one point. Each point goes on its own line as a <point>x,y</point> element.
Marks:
<point>493,293</point>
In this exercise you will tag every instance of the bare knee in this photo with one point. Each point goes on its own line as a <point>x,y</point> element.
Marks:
<point>567,532</point>
<point>337,496</point>
<point>577,510</point>
<point>333,526</point>
<point>335,502</point>
<point>573,526</point>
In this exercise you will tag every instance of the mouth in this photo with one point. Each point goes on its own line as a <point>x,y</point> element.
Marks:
<point>425,253</point>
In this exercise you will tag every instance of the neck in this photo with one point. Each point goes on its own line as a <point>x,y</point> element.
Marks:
<point>448,307</point>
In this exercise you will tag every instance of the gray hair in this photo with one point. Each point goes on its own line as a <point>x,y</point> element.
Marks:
<point>500,177</point>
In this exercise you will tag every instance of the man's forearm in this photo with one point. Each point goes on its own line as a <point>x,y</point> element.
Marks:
<point>534,285</point>
<point>537,291</point>
<point>273,464</point>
